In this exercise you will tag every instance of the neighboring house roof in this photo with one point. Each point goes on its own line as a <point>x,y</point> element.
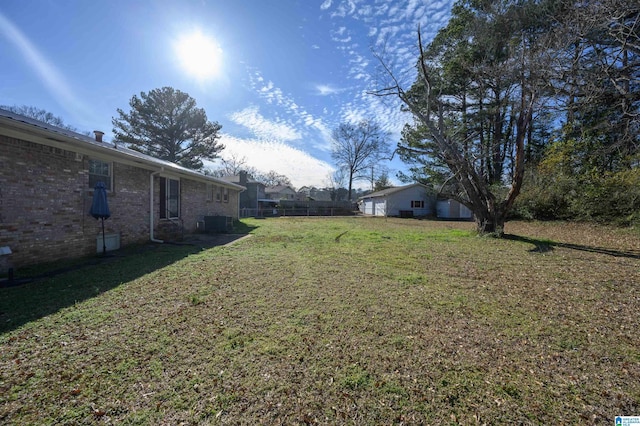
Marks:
<point>391,190</point>
<point>278,189</point>
<point>19,127</point>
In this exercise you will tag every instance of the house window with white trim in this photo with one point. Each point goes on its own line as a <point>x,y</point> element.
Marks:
<point>100,171</point>
<point>218,194</point>
<point>225,195</point>
<point>169,198</point>
<point>417,204</point>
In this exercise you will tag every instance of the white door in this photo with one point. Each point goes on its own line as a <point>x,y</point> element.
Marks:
<point>367,207</point>
<point>380,208</point>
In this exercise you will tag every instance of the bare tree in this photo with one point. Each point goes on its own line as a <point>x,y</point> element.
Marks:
<point>357,147</point>
<point>273,178</point>
<point>449,142</point>
<point>233,164</point>
<point>41,115</point>
<point>335,182</point>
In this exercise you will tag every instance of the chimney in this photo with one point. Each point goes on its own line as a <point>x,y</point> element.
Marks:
<point>243,178</point>
<point>99,135</point>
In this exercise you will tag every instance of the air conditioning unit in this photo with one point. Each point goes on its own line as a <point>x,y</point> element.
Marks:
<point>218,224</point>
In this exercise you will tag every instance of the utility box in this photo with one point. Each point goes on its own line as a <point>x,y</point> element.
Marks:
<point>111,241</point>
<point>218,224</point>
<point>5,252</point>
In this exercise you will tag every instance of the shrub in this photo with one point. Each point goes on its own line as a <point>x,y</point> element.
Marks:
<point>608,197</point>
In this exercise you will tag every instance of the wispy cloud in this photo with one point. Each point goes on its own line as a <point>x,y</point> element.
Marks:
<point>48,74</point>
<point>297,165</point>
<point>341,35</point>
<point>344,8</point>
<point>326,90</point>
<point>312,129</point>
<point>261,127</point>
<point>391,27</point>
<point>325,5</point>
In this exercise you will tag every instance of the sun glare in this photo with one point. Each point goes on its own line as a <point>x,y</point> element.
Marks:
<point>199,55</point>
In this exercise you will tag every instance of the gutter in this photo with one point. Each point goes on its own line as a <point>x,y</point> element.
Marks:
<point>151,206</point>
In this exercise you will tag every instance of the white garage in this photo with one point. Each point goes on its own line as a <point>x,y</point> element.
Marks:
<point>405,201</point>
<point>451,209</point>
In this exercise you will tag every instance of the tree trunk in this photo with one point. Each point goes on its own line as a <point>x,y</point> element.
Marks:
<point>490,216</point>
<point>490,225</point>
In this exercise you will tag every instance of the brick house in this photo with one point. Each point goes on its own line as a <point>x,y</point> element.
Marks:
<point>47,175</point>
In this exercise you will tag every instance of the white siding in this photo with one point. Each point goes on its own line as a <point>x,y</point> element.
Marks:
<point>402,201</point>
<point>451,209</point>
<point>465,213</point>
<point>391,204</point>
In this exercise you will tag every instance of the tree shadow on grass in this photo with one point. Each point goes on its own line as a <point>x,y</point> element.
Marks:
<point>544,246</point>
<point>48,288</point>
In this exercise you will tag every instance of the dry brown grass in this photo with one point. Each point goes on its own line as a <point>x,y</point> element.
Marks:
<point>341,321</point>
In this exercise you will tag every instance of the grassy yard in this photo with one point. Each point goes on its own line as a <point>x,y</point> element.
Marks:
<point>335,321</point>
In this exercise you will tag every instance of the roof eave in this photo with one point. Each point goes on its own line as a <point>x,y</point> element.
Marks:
<point>26,131</point>
<point>389,191</point>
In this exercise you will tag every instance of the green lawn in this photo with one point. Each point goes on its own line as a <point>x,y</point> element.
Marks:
<point>335,321</point>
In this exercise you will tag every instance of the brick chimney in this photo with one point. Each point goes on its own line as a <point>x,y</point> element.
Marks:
<point>99,135</point>
<point>243,178</point>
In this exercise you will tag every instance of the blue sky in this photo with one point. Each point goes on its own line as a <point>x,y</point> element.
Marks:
<point>288,71</point>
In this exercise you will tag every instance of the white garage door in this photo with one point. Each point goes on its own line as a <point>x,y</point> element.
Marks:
<point>368,207</point>
<point>380,208</point>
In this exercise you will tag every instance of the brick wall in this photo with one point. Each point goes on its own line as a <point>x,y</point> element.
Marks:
<point>195,206</point>
<point>45,201</point>
<point>42,200</point>
<point>129,204</point>
<point>223,208</point>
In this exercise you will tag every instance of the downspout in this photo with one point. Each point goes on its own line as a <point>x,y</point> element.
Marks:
<point>151,206</point>
<point>239,192</point>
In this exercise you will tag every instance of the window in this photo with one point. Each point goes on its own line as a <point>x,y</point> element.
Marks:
<point>225,195</point>
<point>417,204</point>
<point>99,171</point>
<point>218,194</point>
<point>169,198</point>
<point>211,189</point>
